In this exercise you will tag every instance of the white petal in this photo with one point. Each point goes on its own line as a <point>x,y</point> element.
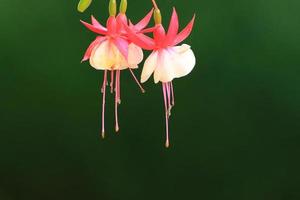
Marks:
<point>120,62</point>
<point>102,56</point>
<point>106,56</point>
<point>164,69</point>
<point>149,66</point>
<point>135,55</point>
<point>185,61</point>
<point>174,62</point>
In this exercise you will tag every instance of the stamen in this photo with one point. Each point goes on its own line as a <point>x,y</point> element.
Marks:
<point>112,81</point>
<point>103,102</point>
<point>167,144</point>
<point>118,90</point>
<point>104,82</point>
<point>172,92</point>
<point>136,80</point>
<point>116,102</point>
<point>169,97</point>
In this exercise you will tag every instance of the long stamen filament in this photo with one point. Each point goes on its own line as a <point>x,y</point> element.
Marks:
<point>169,97</point>
<point>103,103</point>
<point>117,89</point>
<point>111,81</point>
<point>116,101</point>
<point>136,80</point>
<point>172,92</point>
<point>164,87</point>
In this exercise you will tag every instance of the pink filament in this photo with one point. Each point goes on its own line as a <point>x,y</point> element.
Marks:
<point>114,86</point>
<point>117,89</point>
<point>103,102</point>
<point>172,92</point>
<point>168,93</point>
<point>117,99</point>
<point>111,81</point>
<point>136,80</point>
<point>169,97</point>
<point>164,86</point>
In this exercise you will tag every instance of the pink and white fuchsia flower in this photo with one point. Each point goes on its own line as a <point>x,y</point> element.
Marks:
<point>113,51</point>
<point>119,45</point>
<point>167,61</point>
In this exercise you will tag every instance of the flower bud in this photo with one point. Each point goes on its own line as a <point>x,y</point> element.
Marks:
<point>112,8</point>
<point>157,16</point>
<point>123,6</point>
<point>83,5</point>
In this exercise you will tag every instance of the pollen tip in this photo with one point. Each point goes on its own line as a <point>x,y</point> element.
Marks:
<point>169,111</point>
<point>117,129</point>
<point>103,134</point>
<point>119,101</point>
<point>143,91</point>
<point>167,145</point>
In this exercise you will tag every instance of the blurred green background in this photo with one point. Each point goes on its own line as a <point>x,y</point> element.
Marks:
<point>235,130</point>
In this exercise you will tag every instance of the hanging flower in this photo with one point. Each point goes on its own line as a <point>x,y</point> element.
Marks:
<point>167,61</point>
<point>112,51</point>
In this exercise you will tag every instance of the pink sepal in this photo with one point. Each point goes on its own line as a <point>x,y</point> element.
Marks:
<point>122,45</point>
<point>159,35</point>
<point>121,19</point>
<point>89,50</point>
<point>148,30</point>
<point>111,25</point>
<point>144,22</point>
<point>96,24</point>
<point>173,28</point>
<point>185,32</point>
<point>139,39</point>
<point>93,28</point>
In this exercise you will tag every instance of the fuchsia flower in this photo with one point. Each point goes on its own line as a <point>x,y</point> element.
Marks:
<point>167,61</point>
<point>118,46</point>
<point>113,51</point>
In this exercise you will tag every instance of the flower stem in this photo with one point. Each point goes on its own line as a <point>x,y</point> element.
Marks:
<point>154,4</point>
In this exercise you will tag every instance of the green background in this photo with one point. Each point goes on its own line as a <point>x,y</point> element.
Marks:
<point>234,130</point>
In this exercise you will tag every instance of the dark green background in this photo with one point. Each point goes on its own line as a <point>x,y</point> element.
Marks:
<point>234,130</point>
